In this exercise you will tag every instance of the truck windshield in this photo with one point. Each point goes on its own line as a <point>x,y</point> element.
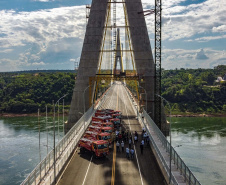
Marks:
<point>102,146</point>
<point>109,131</point>
<point>106,137</point>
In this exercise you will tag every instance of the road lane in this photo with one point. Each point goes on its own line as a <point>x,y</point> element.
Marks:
<point>116,169</point>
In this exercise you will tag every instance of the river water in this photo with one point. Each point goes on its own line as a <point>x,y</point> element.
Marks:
<point>203,146</point>
<point>201,141</point>
<point>19,145</point>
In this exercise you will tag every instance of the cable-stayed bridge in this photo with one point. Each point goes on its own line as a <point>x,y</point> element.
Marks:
<point>151,167</point>
<point>133,87</point>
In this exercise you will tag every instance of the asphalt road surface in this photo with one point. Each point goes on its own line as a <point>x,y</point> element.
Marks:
<point>84,169</point>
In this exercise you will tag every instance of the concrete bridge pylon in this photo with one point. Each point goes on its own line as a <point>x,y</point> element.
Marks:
<point>100,13</point>
<point>118,56</point>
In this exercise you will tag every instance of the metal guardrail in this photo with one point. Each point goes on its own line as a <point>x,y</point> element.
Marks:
<point>189,177</point>
<point>63,150</point>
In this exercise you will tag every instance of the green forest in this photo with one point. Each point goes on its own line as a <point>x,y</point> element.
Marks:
<point>187,90</point>
<point>28,92</point>
<point>195,90</point>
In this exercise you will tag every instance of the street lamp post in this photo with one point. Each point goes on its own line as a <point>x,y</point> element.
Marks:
<point>169,135</point>
<point>54,139</point>
<point>145,97</point>
<point>54,156</point>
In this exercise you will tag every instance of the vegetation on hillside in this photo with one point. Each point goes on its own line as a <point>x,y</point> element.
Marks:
<point>25,93</point>
<point>195,90</point>
<point>188,90</point>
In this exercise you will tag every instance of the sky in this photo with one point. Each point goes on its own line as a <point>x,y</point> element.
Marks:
<point>49,34</point>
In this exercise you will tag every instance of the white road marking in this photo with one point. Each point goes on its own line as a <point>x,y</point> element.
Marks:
<point>87,171</point>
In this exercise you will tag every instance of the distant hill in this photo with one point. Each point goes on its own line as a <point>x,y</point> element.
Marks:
<point>39,71</point>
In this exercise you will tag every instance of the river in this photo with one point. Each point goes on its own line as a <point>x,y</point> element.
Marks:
<point>19,145</point>
<point>201,141</point>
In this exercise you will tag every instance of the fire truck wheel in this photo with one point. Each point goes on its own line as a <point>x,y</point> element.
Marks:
<point>94,155</point>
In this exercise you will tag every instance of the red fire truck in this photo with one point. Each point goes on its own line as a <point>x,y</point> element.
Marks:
<point>102,119</point>
<point>116,122</point>
<point>99,136</point>
<point>99,148</point>
<point>94,128</point>
<point>104,124</point>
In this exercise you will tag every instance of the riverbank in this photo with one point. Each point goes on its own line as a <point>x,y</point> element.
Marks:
<point>12,115</point>
<point>197,115</point>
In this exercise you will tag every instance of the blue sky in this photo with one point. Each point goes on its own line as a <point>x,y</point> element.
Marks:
<point>48,34</point>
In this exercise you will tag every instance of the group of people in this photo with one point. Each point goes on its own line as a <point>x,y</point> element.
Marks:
<point>123,137</point>
<point>129,150</point>
<point>145,136</point>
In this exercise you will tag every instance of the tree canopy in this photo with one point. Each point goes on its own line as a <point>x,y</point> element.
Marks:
<point>188,90</point>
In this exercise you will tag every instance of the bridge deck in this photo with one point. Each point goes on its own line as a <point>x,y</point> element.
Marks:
<point>116,168</point>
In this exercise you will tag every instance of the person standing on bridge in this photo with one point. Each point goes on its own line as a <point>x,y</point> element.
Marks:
<point>122,145</point>
<point>142,142</point>
<point>130,142</point>
<point>127,135</point>
<point>135,139</point>
<point>127,153</point>
<point>145,136</point>
<point>141,147</point>
<point>117,146</point>
<point>136,134</point>
<point>120,137</point>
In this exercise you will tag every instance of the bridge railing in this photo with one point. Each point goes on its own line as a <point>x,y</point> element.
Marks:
<point>44,171</point>
<point>189,177</point>
<point>149,124</point>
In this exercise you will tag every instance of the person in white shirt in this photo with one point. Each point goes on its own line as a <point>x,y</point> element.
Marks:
<point>116,132</point>
<point>130,141</point>
<point>135,139</point>
<point>142,142</point>
<point>122,145</point>
<point>127,152</point>
<point>117,146</point>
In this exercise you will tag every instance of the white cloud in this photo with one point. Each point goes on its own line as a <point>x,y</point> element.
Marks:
<point>221,28</point>
<point>6,50</point>
<point>56,35</point>
<point>201,55</point>
<point>41,26</point>
<point>44,0</point>
<point>187,21</point>
<point>38,36</point>
<point>38,63</point>
<point>182,58</point>
<point>72,60</point>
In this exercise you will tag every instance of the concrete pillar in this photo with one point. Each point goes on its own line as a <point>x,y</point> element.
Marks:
<point>142,50</point>
<point>118,55</point>
<point>88,61</point>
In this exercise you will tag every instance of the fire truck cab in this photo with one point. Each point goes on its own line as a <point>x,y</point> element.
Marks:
<point>94,128</point>
<point>99,136</point>
<point>99,148</point>
<point>104,124</point>
<point>116,122</point>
